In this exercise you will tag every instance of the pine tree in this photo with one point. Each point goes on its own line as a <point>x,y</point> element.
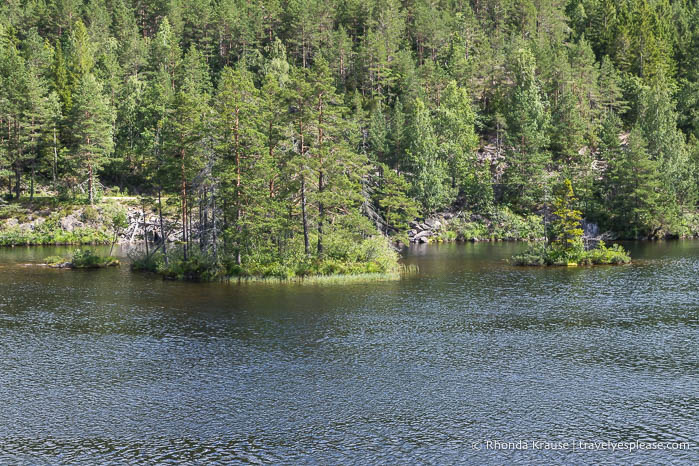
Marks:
<point>92,126</point>
<point>242,159</point>
<point>184,131</point>
<point>299,94</point>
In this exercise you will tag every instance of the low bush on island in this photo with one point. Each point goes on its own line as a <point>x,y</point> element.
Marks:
<point>82,259</point>
<point>539,255</point>
<point>566,247</point>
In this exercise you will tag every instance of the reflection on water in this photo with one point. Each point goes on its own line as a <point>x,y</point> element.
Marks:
<point>106,365</point>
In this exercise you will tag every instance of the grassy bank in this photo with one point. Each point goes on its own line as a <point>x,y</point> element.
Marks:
<point>46,221</point>
<point>46,235</point>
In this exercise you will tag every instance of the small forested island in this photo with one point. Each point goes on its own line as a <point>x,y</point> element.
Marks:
<point>565,245</point>
<point>81,259</point>
<point>300,139</point>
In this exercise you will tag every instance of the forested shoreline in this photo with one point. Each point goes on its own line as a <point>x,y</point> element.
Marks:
<point>280,133</point>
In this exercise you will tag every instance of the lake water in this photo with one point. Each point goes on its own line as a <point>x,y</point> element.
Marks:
<point>111,366</point>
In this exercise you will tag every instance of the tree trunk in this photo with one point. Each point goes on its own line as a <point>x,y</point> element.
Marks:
<point>321,207</point>
<point>271,157</point>
<point>304,216</point>
<point>321,213</point>
<point>213,222</point>
<point>162,225</point>
<point>145,227</point>
<point>201,223</point>
<point>18,181</point>
<point>31,195</point>
<point>239,212</point>
<point>184,204</point>
<point>54,167</point>
<point>89,185</point>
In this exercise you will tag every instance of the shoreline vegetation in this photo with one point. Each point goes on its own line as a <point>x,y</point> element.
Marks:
<point>371,259</point>
<point>82,259</point>
<point>310,141</point>
<point>600,255</point>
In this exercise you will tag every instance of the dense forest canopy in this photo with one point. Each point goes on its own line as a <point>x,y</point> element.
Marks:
<point>294,124</point>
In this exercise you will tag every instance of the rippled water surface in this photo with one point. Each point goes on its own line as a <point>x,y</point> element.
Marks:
<point>109,366</point>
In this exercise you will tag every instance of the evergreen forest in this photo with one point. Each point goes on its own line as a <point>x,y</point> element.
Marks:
<point>279,130</point>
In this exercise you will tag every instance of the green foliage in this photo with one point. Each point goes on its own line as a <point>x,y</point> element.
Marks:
<point>540,255</point>
<point>283,125</point>
<point>45,235</point>
<point>633,189</point>
<point>54,260</point>
<point>566,240</point>
<point>391,197</point>
<point>500,224</point>
<point>371,256</point>
<point>602,255</point>
<point>82,259</point>
<point>90,214</point>
<point>87,259</point>
<point>528,123</point>
<point>428,173</point>
<point>92,130</point>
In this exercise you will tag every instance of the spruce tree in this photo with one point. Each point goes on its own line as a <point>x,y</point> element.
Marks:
<point>427,172</point>
<point>633,189</point>
<point>528,123</point>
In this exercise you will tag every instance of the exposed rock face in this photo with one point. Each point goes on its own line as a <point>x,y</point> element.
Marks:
<point>151,222</point>
<point>592,234</point>
<point>422,231</point>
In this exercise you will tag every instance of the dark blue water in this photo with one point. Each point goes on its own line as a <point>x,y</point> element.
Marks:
<point>110,366</point>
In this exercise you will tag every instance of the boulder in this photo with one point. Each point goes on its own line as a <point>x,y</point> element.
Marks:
<point>11,222</point>
<point>70,223</point>
<point>422,234</point>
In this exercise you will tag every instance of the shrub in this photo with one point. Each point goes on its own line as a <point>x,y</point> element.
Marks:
<point>49,234</point>
<point>54,260</point>
<point>141,262</point>
<point>603,255</point>
<point>370,256</point>
<point>90,214</point>
<point>87,259</point>
<point>535,255</point>
<point>538,255</point>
